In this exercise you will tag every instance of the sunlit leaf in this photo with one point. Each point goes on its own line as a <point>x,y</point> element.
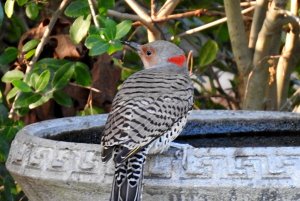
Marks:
<point>30,45</point>
<point>12,75</point>
<point>114,46</point>
<point>12,93</point>
<point>29,54</point>
<point>43,99</point>
<point>32,10</point>
<point>9,8</point>
<point>21,85</point>
<point>42,81</point>
<point>123,28</point>
<point>79,28</point>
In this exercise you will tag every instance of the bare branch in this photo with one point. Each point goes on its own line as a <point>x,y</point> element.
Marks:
<point>167,8</point>
<point>198,12</point>
<point>93,13</point>
<point>238,36</point>
<point>257,22</point>
<point>46,34</point>
<point>288,61</point>
<point>90,88</point>
<point>145,19</point>
<point>128,16</point>
<point>211,24</point>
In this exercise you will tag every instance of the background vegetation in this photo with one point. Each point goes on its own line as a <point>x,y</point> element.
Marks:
<point>65,58</point>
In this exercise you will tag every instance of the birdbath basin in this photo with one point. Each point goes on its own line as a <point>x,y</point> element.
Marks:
<point>231,155</point>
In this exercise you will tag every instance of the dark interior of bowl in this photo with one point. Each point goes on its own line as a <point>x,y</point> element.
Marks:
<point>262,133</point>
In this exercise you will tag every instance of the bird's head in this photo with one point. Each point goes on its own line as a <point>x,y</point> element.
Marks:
<point>159,52</point>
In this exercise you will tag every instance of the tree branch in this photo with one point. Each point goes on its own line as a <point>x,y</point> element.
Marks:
<point>145,19</point>
<point>238,36</point>
<point>46,34</point>
<point>288,60</point>
<point>113,13</point>
<point>167,8</point>
<point>93,13</point>
<point>209,25</point>
<point>257,22</point>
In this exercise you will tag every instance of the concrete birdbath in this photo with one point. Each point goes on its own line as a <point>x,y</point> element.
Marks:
<point>235,155</point>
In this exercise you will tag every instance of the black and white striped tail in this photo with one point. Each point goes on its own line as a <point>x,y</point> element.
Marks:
<point>127,184</point>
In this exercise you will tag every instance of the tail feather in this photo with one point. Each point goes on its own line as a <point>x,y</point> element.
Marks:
<point>128,178</point>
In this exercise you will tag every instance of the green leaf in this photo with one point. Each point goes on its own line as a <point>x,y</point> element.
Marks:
<point>12,93</point>
<point>99,48</point>
<point>12,75</point>
<point>92,40</point>
<point>62,76</point>
<point>30,45</point>
<point>82,74</point>
<point>1,14</point>
<point>106,3</point>
<point>208,53</point>
<point>43,99</point>
<point>33,77</point>
<point>9,8</point>
<point>110,29</point>
<point>25,99</point>
<point>21,85</point>
<point>80,28</point>
<point>77,9</point>
<point>9,55</point>
<point>42,81</point>
<point>32,10</point>
<point>114,46</point>
<point>62,98</point>
<point>123,28</point>
<point>29,54</point>
<point>49,63</point>
<point>22,2</point>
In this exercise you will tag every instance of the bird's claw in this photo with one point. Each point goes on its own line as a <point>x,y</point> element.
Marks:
<point>182,152</point>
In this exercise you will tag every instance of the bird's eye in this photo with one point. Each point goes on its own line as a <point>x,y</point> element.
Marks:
<point>148,52</point>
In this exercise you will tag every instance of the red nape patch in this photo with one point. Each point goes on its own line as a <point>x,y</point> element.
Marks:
<point>178,60</point>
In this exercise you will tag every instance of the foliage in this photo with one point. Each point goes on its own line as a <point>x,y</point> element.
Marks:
<point>80,44</point>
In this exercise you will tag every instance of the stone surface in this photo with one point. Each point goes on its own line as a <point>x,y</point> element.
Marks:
<point>50,170</point>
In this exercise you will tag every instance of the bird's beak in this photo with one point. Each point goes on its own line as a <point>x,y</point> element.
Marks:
<point>133,45</point>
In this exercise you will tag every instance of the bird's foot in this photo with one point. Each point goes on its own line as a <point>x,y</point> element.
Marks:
<point>182,152</point>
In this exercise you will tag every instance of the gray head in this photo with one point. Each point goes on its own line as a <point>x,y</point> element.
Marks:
<point>159,52</point>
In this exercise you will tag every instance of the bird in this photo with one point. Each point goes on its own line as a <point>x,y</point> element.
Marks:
<point>148,112</point>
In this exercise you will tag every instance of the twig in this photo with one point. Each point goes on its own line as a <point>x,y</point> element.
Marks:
<point>128,16</point>
<point>167,8</point>
<point>153,9</point>
<point>144,17</point>
<point>46,34</point>
<point>209,25</point>
<point>190,61</point>
<point>40,46</point>
<point>198,12</point>
<point>93,13</point>
<point>249,3</point>
<point>90,88</point>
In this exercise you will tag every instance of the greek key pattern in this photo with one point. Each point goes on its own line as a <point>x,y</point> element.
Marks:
<point>244,165</point>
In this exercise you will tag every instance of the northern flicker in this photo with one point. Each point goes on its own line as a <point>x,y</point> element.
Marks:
<point>149,111</point>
